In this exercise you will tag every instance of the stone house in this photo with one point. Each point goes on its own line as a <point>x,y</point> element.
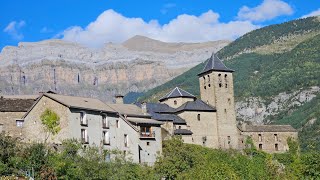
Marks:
<point>269,138</point>
<point>96,123</point>
<point>211,120</point>
<point>12,109</point>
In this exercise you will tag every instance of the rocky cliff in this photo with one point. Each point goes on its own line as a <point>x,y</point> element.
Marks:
<point>138,64</point>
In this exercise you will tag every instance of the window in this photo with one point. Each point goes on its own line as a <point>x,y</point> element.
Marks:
<point>19,123</point>
<point>78,78</point>
<point>179,127</point>
<point>84,136</point>
<point>229,101</point>
<point>259,137</point>
<point>83,118</point>
<point>126,143</point>
<point>219,80</point>
<point>276,137</point>
<point>106,137</point>
<point>105,122</point>
<point>208,79</point>
<point>260,146</point>
<point>148,143</point>
<point>175,102</point>
<point>117,123</point>
<point>198,117</point>
<point>276,147</point>
<point>146,131</point>
<point>205,87</point>
<point>226,80</point>
<point>229,139</point>
<point>209,85</point>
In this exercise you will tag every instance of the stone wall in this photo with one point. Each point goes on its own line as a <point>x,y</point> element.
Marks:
<point>8,121</point>
<point>179,101</point>
<point>204,130</point>
<point>33,129</point>
<point>271,142</point>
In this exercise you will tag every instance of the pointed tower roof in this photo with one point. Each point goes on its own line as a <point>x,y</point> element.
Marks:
<point>215,64</point>
<point>177,92</point>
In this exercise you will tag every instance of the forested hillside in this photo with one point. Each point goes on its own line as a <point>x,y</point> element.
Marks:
<point>282,58</point>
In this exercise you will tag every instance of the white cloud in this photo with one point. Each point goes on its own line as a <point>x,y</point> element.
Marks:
<point>111,26</point>
<point>13,29</point>
<point>268,10</point>
<point>313,13</point>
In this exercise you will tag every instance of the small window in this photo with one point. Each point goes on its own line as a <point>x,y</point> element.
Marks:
<point>219,75</point>
<point>148,143</point>
<point>117,124</point>
<point>106,137</point>
<point>126,143</point>
<point>175,102</point>
<point>146,131</point>
<point>19,123</point>
<point>179,127</point>
<point>276,147</point>
<point>83,118</point>
<point>208,79</point>
<point>276,137</point>
<point>259,137</point>
<point>84,136</point>
<point>226,85</point>
<point>198,117</point>
<point>105,122</point>
<point>260,146</point>
<point>78,78</point>
<point>220,84</point>
<point>229,101</point>
<point>225,75</point>
<point>205,87</point>
<point>229,139</point>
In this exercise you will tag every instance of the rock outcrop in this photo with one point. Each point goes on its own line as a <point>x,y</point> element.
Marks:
<point>138,64</point>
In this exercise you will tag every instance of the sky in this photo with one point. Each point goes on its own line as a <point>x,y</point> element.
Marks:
<point>93,23</point>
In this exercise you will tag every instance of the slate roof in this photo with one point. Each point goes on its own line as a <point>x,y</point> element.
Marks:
<point>215,64</point>
<point>182,132</point>
<point>268,128</point>
<point>177,92</point>
<point>168,117</point>
<point>144,121</point>
<point>15,105</point>
<point>159,108</point>
<point>196,105</point>
<point>80,102</point>
<point>128,109</point>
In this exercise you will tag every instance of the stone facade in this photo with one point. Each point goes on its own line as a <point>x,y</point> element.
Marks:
<point>216,89</point>
<point>8,123</point>
<point>95,127</point>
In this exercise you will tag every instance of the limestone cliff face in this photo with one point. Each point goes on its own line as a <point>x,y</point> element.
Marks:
<point>72,69</point>
<point>257,110</point>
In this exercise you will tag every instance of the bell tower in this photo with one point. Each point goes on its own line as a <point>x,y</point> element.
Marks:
<point>216,89</point>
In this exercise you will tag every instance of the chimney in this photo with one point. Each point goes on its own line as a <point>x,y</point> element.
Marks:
<point>119,98</point>
<point>144,108</point>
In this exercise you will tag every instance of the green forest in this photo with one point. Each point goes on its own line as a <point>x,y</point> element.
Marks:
<point>178,160</point>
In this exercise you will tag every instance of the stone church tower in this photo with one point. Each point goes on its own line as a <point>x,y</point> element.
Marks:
<point>216,89</point>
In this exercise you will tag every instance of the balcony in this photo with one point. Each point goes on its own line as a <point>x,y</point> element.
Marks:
<point>147,135</point>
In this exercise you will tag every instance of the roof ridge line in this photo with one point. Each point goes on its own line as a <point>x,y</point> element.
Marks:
<point>171,92</point>
<point>179,91</point>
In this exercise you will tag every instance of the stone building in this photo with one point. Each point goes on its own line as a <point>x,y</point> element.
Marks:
<point>12,109</point>
<point>211,120</point>
<point>109,126</point>
<point>269,138</point>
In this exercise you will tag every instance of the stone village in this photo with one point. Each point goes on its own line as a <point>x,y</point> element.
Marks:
<point>138,130</point>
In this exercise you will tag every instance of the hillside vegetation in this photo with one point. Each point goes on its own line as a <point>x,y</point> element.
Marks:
<point>266,75</point>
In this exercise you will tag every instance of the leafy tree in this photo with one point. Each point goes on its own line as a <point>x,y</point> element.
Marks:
<point>51,122</point>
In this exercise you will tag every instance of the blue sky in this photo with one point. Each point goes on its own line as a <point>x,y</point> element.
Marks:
<point>96,22</point>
